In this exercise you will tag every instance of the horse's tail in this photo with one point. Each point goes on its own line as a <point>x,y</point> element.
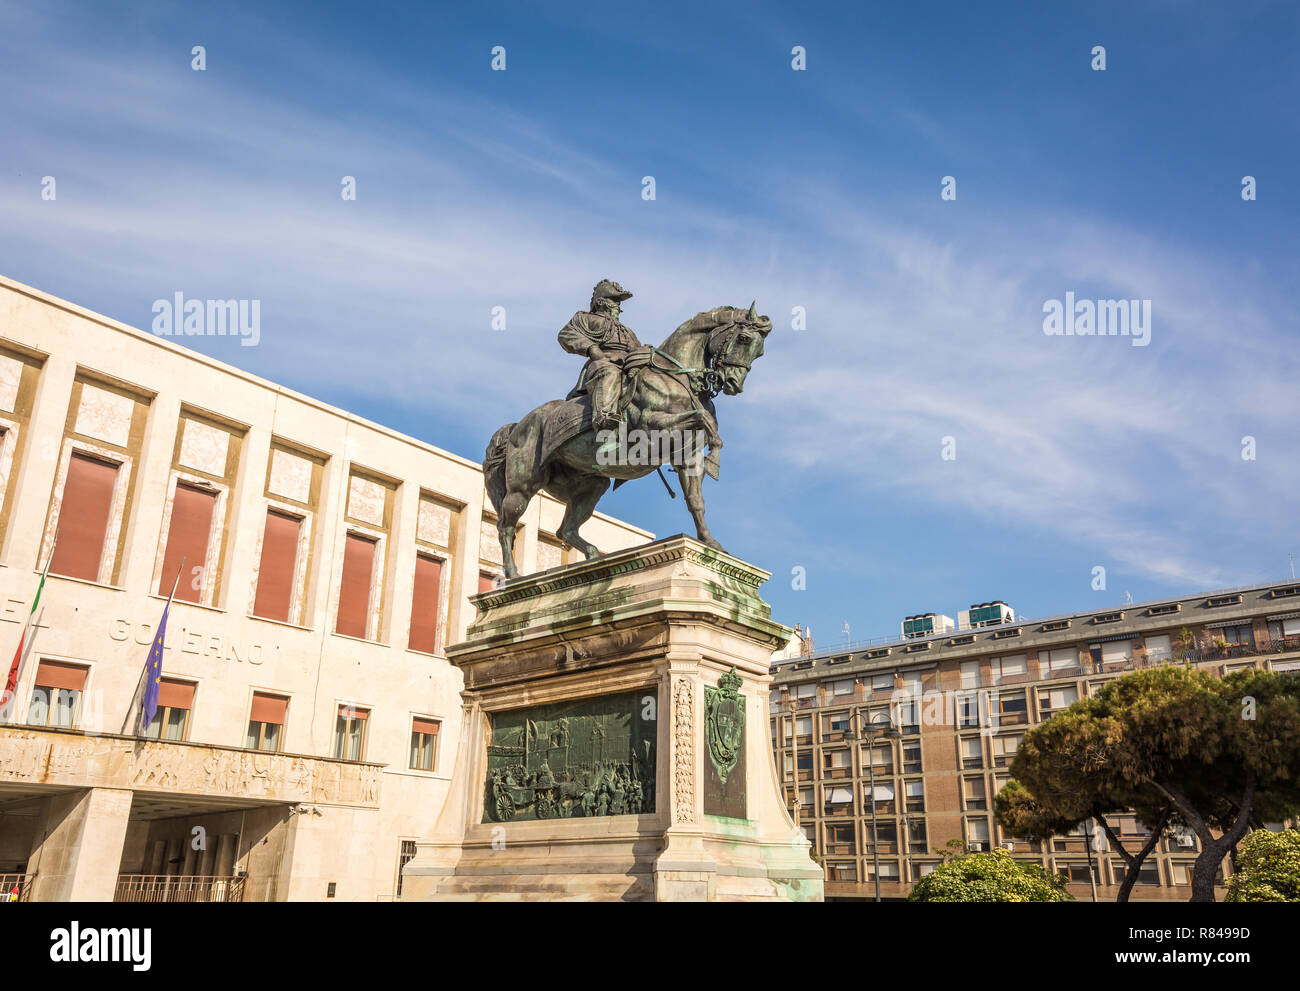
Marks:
<point>494,466</point>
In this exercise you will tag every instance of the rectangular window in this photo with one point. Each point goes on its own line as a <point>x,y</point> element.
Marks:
<point>187,540</point>
<point>846,871</point>
<point>1159,648</point>
<point>970,674</point>
<point>350,732</point>
<point>1012,707</point>
<point>1004,748</point>
<point>56,696</point>
<point>916,834</point>
<point>915,792</point>
<point>405,854</point>
<point>881,759</point>
<point>84,516</point>
<point>912,684</point>
<point>425,598</point>
<point>977,834</point>
<point>912,758</point>
<point>424,743</point>
<point>835,722</point>
<point>972,752</point>
<point>842,688</point>
<point>841,833</point>
<point>354,589</point>
<point>1181,873</point>
<point>838,799</point>
<point>883,797</point>
<point>1056,699</point>
<point>1237,636</point>
<point>882,684</point>
<point>275,573</point>
<point>886,831</point>
<point>907,715</point>
<point>1013,667</point>
<point>835,759</point>
<point>1054,663</point>
<point>974,795</point>
<point>171,720</point>
<point>1077,872</point>
<point>803,726</point>
<point>968,711</point>
<point>1117,652</point>
<point>1148,873</point>
<point>266,722</point>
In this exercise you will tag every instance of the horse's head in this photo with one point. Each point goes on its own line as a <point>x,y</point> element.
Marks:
<point>733,347</point>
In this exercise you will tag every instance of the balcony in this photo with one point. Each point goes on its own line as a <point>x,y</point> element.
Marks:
<point>16,887</point>
<point>178,888</point>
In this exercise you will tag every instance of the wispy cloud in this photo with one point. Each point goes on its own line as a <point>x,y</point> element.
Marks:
<point>172,181</point>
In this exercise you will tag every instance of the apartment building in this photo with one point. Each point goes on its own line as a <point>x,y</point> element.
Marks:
<point>895,748</point>
<point>307,716</point>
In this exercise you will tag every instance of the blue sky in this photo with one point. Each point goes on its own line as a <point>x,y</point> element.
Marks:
<point>818,188</point>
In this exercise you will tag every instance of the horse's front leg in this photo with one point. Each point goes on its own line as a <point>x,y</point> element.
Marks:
<point>684,435</point>
<point>693,488</point>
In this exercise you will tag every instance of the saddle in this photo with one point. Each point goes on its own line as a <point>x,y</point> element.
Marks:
<point>572,416</point>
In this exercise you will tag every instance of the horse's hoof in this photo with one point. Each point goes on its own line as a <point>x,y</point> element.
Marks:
<point>710,542</point>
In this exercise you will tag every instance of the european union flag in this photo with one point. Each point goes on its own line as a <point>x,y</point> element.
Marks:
<point>153,671</point>
<point>153,664</point>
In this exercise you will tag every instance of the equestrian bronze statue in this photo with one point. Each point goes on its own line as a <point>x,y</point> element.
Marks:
<point>634,410</point>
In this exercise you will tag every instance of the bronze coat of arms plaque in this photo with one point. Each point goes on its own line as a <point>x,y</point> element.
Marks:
<point>724,729</point>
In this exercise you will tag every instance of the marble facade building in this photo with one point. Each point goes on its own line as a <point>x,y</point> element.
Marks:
<point>308,716</point>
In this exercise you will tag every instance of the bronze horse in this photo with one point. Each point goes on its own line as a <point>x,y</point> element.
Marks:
<point>670,391</point>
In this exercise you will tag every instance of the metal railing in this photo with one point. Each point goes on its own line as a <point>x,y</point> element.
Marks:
<point>16,887</point>
<point>178,888</point>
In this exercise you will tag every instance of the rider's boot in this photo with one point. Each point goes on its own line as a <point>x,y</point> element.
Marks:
<point>606,421</point>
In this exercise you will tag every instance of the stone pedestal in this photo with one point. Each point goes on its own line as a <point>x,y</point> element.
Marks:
<point>615,742</point>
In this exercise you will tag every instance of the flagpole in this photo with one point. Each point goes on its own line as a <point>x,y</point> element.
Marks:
<point>11,685</point>
<point>145,673</point>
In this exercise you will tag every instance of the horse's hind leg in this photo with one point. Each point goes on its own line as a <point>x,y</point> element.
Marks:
<point>521,484</point>
<point>512,508</point>
<point>580,494</point>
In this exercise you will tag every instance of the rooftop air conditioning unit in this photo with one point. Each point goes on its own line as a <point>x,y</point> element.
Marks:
<point>926,624</point>
<point>985,614</point>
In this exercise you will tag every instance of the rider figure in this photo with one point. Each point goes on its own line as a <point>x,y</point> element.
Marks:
<point>604,341</point>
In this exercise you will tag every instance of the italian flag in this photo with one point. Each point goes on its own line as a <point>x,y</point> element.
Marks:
<point>11,682</point>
